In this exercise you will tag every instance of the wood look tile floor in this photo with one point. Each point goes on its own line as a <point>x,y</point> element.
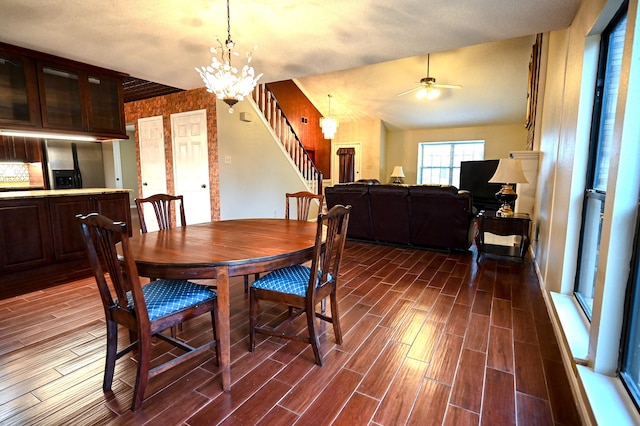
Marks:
<point>430,338</point>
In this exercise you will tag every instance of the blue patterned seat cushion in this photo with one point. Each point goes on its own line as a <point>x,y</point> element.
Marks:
<point>291,280</point>
<point>164,297</point>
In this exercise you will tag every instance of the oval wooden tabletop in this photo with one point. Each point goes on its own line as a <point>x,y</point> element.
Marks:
<point>244,245</point>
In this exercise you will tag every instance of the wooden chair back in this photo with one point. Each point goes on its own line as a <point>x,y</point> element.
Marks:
<point>163,206</point>
<point>332,226</point>
<point>101,236</point>
<point>303,203</point>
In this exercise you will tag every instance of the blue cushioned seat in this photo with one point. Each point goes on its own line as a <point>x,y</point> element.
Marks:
<point>291,280</point>
<point>164,297</point>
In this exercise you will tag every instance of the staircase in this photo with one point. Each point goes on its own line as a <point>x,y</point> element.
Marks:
<point>286,135</point>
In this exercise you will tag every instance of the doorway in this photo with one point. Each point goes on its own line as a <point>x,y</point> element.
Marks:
<point>335,160</point>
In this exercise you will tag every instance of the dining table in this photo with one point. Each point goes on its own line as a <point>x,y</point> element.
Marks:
<point>220,250</point>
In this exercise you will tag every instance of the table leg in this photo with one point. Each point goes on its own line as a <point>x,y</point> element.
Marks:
<point>224,325</point>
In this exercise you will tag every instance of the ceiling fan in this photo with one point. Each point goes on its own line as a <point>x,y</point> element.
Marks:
<point>428,87</point>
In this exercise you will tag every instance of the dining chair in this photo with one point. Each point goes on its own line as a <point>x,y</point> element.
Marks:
<point>162,206</point>
<point>144,310</point>
<point>303,287</point>
<point>303,201</point>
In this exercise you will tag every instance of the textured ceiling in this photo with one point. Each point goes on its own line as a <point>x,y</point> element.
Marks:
<point>323,44</point>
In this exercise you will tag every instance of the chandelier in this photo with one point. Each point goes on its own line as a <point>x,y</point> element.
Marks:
<point>222,78</point>
<point>328,124</point>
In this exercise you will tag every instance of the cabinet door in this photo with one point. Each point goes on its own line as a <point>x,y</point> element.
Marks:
<point>25,234</point>
<point>105,105</point>
<point>33,150</point>
<point>115,207</point>
<point>61,97</point>
<point>67,237</point>
<point>19,104</point>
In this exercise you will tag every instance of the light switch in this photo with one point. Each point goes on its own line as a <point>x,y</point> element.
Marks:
<point>227,159</point>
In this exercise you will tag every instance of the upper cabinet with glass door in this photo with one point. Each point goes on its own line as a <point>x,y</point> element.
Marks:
<point>18,91</point>
<point>60,98</point>
<point>80,100</point>
<point>44,92</point>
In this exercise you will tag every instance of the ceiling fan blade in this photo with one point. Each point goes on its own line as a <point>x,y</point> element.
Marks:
<point>406,92</point>
<point>446,86</point>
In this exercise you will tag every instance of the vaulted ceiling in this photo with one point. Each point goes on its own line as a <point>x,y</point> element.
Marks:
<point>362,52</point>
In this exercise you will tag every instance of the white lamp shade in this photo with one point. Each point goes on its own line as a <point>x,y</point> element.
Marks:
<point>397,172</point>
<point>509,171</point>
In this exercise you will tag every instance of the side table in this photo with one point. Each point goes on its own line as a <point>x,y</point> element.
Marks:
<point>518,225</point>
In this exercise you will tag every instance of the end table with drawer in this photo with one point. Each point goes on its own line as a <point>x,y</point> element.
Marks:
<point>518,225</point>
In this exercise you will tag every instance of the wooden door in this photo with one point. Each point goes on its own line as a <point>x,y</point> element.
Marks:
<point>152,163</point>
<point>191,164</point>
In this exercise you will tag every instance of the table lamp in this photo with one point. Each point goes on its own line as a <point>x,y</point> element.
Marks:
<point>509,171</point>
<point>397,175</point>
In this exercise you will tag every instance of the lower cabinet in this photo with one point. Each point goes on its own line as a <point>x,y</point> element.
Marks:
<point>25,234</point>
<point>37,232</point>
<point>67,238</point>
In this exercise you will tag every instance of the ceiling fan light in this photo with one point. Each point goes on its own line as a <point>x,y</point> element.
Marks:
<point>432,93</point>
<point>422,93</point>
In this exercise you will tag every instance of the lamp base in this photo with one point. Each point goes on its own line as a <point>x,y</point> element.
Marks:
<point>506,196</point>
<point>505,211</point>
<point>397,181</point>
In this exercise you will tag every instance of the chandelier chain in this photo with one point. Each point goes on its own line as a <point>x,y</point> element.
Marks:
<point>228,26</point>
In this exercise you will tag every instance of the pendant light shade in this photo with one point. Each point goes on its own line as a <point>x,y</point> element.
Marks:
<point>328,124</point>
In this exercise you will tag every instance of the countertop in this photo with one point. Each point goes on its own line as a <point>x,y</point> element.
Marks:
<point>43,193</point>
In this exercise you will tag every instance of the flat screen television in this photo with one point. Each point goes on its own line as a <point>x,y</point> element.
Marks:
<point>474,177</point>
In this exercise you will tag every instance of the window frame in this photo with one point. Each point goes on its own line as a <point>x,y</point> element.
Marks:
<point>596,141</point>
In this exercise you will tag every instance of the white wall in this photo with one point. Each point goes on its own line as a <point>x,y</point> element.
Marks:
<point>371,135</point>
<point>255,173</point>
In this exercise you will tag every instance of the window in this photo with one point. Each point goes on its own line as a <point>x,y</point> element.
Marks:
<point>604,111</point>
<point>630,359</point>
<point>439,162</point>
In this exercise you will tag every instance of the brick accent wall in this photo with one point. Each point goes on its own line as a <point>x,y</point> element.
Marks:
<point>190,100</point>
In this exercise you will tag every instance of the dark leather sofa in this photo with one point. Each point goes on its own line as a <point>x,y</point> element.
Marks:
<point>431,216</point>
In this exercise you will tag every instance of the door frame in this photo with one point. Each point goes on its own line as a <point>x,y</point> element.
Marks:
<point>357,160</point>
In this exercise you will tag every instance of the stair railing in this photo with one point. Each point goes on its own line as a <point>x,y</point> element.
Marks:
<point>291,143</point>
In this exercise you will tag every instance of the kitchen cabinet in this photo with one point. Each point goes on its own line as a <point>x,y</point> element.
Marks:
<point>19,103</point>
<point>48,93</point>
<point>20,149</point>
<point>73,99</point>
<point>39,232</point>
<point>67,239</point>
<point>25,234</point>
